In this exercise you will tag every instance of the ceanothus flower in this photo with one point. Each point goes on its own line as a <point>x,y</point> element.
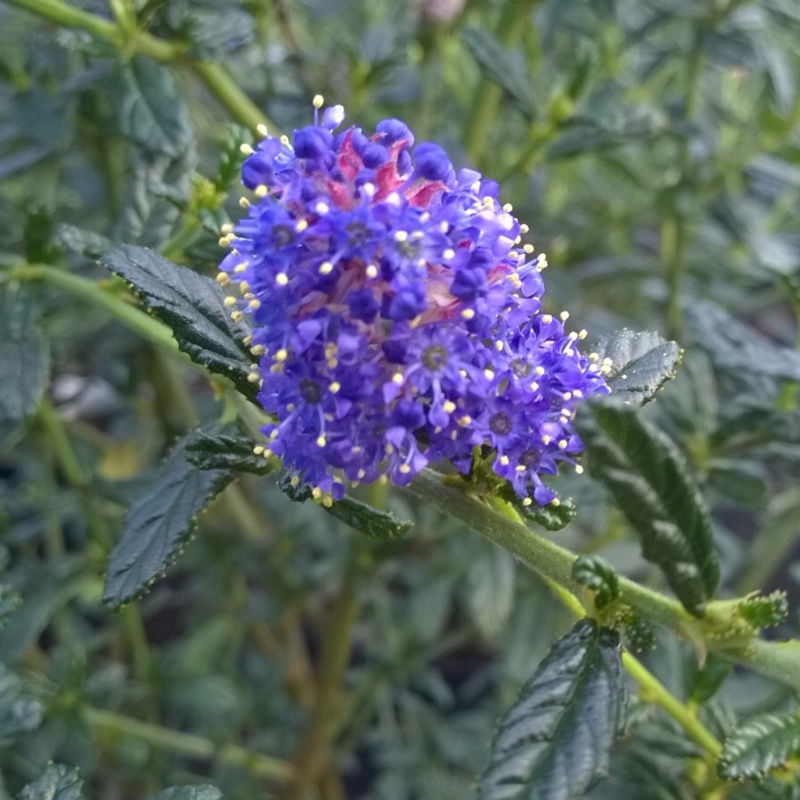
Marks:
<point>396,314</point>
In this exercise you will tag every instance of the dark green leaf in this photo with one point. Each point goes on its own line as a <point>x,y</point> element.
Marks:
<point>188,793</point>
<point>192,306</point>
<point>736,347</point>
<point>225,451</point>
<point>157,526</point>
<point>148,108</point>
<point>760,745</point>
<point>706,680</point>
<point>556,740</point>
<point>597,574</point>
<point>9,602</point>
<point>24,357</point>
<point>17,712</point>
<point>56,783</point>
<point>501,67</point>
<point>651,483</point>
<point>550,517</point>
<point>641,363</point>
<point>38,237</point>
<point>364,518</point>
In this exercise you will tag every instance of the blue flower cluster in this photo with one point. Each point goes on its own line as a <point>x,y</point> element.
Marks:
<point>397,315</point>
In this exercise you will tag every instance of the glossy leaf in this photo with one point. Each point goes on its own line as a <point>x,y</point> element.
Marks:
<point>226,451</point>
<point>641,363</point>
<point>192,306</point>
<point>652,485</point>
<point>549,517</point>
<point>555,742</point>
<point>148,108</point>
<point>595,573</point>
<point>24,358</point>
<point>18,713</point>
<point>56,783</point>
<point>158,525</point>
<point>760,745</point>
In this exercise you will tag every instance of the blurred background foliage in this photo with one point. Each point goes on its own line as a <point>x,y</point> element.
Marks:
<point>653,147</point>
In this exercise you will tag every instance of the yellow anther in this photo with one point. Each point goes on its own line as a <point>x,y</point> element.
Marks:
<point>488,202</point>
<point>547,319</point>
<point>223,279</point>
<point>327,501</point>
<point>226,228</point>
<point>526,501</point>
<point>520,468</point>
<point>555,502</point>
<point>539,371</point>
<point>533,386</point>
<point>258,450</point>
<point>301,225</point>
<point>503,460</point>
<point>562,444</point>
<point>281,279</point>
<point>468,313</point>
<point>444,227</point>
<point>321,440</point>
<point>285,140</point>
<point>448,253</point>
<point>236,316</point>
<point>316,493</point>
<point>244,202</point>
<point>245,149</point>
<point>258,350</point>
<point>334,387</point>
<point>229,301</point>
<point>325,268</point>
<point>261,129</point>
<point>244,288</point>
<point>253,377</point>
<point>356,450</point>
<point>579,469</point>
<point>404,468</point>
<point>281,355</point>
<point>583,334</point>
<point>372,271</point>
<point>240,268</point>
<point>254,304</point>
<point>528,248</point>
<point>508,208</point>
<point>397,378</point>
<point>523,228</point>
<point>465,420</point>
<point>389,449</point>
<point>318,101</point>
<point>362,473</point>
<point>448,406</point>
<point>564,315</point>
<point>224,241</point>
<point>383,480</point>
<point>488,374</point>
<point>567,395</point>
<point>401,236</point>
<point>261,190</point>
<point>546,439</point>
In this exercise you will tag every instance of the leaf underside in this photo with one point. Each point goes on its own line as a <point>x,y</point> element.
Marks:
<point>57,782</point>
<point>555,742</point>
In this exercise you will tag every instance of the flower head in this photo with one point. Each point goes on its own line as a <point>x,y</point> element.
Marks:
<point>396,315</point>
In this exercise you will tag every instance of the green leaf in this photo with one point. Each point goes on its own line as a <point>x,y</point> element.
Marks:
<point>597,574</point>
<point>9,602</point>
<point>192,306</point>
<point>361,516</point>
<point>501,67</point>
<point>652,485</point>
<point>83,242</point>
<point>490,587</point>
<point>56,783</point>
<point>188,793</point>
<point>24,358</point>
<point>18,713</point>
<point>641,363</point>
<point>760,745</point>
<point>550,517</point>
<point>148,108</point>
<point>157,526</point>
<point>735,347</point>
<point>225,451</point>
<point>555,742</point>
<point>765,611</point>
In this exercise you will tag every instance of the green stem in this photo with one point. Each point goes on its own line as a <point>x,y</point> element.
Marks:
<point>654,691</point>
<point>95,294</point>
<point>109,723</point>
<point>219,82</point>
<point>314,752</point>
<point>671,247</point>
<point>780,661</point>
<point>58,441</point>
<point>483,113</point>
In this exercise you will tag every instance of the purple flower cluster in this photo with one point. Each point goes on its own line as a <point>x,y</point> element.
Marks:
<point>397,315</point>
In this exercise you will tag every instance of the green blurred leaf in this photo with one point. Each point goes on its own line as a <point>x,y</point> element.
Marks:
<point>652,485</point>
<point>490,588</point>
<point>736,347</point>
<point>192,306</point>
<point>159,523</point>
<point>148,108</point>
<point>56,783</point>
<point>9,602</point>
<point>641,363</point>
<point>760,745</point>
<point>188,793</point>
<point>597,574</point>
<point>24,357</point>
<point>707,679</point>
<point>556,740</point>
<point>83,242</point>
<point>501,67</point>
<point>18,713</point>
